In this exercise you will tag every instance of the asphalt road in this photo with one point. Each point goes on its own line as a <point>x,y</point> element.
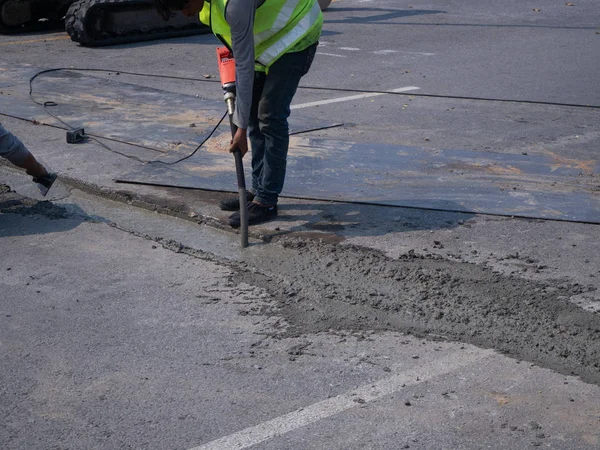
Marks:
<point>130,318</point>
<point>123,328</point>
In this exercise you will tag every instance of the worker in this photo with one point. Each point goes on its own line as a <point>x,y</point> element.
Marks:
<point>273,43</point>
<point>15,151</point>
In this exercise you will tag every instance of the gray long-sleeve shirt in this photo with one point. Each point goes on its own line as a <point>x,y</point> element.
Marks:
<point>240,17</point>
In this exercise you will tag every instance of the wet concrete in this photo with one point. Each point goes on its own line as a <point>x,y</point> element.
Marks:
<point>319,286</point>
<point>13,203</point>
<point>252,334</point>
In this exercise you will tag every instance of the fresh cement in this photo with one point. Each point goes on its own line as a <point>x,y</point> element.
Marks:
<point>322,287</point>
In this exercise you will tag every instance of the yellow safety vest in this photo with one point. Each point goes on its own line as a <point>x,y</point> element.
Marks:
<point>280,26</point>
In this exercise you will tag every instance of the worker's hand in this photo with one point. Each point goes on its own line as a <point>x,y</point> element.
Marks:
<point>240,141</point>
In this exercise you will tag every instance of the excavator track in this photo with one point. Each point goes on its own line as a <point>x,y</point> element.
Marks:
<point>95,23</point>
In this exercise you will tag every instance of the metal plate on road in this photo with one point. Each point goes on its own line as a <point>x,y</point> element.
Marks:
<point>544,186</point>
<point>169,122</point>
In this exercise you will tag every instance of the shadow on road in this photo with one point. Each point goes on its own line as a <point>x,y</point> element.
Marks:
<point>345,220</point>
<point>22,216</point>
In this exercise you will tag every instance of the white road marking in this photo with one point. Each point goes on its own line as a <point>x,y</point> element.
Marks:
<point>351,49</point>
<point>419,53</point>
<point>352,97</point>
<point>387,52</point>
<point>332,54</point>
<point>335,405</point>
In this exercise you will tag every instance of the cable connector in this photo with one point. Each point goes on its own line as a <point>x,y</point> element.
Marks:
<point>75,135</point>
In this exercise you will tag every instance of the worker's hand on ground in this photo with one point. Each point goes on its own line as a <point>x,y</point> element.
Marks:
<point>240,140</point>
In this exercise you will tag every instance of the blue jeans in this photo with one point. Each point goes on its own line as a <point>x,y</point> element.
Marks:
<point>268,129</point>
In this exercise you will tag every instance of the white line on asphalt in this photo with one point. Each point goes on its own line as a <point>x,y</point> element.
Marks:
<point>350,49</point>
<point>419,53</point>
<point>387,52</point>
<point>332,54</point>
<point>352,97</point>
<point>335,405</point>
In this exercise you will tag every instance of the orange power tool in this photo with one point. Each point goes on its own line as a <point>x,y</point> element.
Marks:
<point>227,75</point>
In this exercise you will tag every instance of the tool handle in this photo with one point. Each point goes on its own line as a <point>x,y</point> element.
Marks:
<point>241,182</point>
<point>239,165</point>
<point>237,154</point>
<point>227,75</point>
<point>239,169</point>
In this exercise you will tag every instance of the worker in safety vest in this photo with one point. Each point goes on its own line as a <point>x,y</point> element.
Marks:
<point>273,43</point>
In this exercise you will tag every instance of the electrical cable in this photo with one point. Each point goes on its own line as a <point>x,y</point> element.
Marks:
<point>92,137</point>
<point>334,89</point>
<point>197,148</point>
<point>45,105</point>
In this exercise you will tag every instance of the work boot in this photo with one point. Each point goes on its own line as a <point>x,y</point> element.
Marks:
<point>256,214</point>
<point>233,203</point>
<point>45,182</point>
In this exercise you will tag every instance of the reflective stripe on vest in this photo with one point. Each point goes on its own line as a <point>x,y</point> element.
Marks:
<point>281,21</point>
<point>278,25</point>
<point>269,55</point>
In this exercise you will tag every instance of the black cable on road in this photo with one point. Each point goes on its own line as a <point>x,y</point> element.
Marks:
<point>93,137</point>
<point>334,89</point>
<point>374,203</point>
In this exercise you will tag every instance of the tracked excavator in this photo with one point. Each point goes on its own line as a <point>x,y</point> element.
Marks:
<point>107,22</point>
<point>95,23</point>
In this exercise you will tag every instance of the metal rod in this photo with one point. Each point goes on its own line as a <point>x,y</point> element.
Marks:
<point>239,169</point>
